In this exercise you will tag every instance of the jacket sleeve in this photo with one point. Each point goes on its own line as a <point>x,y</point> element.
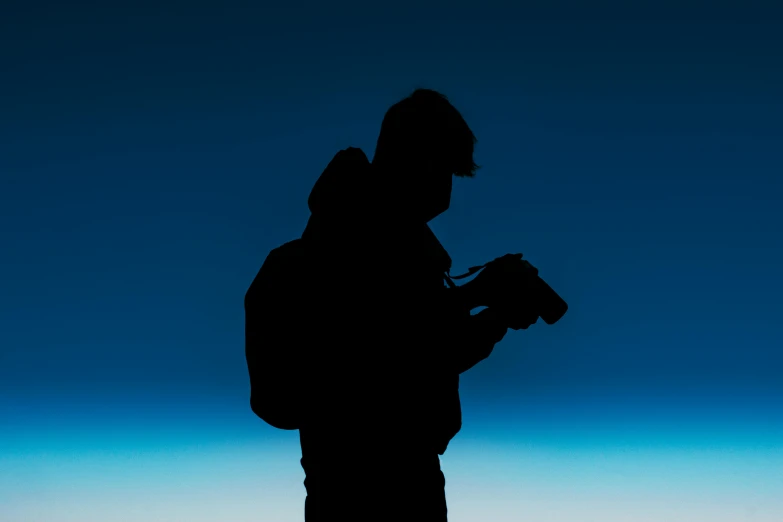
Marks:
<point>467,339</point>
<point>447,335</point>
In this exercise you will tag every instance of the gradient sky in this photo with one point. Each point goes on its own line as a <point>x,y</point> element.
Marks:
<point>151,154</point>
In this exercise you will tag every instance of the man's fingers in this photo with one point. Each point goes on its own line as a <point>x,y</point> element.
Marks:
<point>524,322</point>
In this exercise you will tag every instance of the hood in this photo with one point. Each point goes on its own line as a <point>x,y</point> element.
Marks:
<point>343,199</point>
<point>342,187</point>
<point>347,204</point>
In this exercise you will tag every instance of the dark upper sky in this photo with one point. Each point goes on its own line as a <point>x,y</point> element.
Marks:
<point>151,154</point>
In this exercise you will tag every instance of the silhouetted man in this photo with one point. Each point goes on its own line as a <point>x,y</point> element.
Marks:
<point>384,338</point>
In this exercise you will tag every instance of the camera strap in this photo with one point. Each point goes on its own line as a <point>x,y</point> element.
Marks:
<point>472,270</point>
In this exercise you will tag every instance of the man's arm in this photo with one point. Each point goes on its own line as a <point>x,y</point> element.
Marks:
<point>470,338</point>
<point>479,335</point>
<point>467,295</point>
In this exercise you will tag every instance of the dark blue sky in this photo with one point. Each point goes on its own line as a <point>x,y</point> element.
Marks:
<point>152,154</point>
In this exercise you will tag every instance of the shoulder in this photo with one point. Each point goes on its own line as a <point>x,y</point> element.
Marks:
<point>282,267</point>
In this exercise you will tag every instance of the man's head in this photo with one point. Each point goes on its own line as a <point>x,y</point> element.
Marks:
<point>423,142</point>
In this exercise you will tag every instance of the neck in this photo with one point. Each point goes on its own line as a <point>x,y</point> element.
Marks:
<point>391,199</point>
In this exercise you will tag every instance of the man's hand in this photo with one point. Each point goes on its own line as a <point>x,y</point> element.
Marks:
<point>505,285</point>
<point>507,277</point>
<point>517,318</point>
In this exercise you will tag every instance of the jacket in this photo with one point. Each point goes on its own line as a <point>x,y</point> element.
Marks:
<point>376,311</point>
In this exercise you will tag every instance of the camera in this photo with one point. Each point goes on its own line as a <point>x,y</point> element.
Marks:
<point>548,305</point>
<point>522,278</point>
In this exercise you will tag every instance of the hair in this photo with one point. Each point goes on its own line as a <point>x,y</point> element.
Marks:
<point>425,124</point>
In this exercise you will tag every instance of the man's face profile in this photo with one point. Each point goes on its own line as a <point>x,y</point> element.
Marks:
<point>422,182</point>
<point>433,191</point>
